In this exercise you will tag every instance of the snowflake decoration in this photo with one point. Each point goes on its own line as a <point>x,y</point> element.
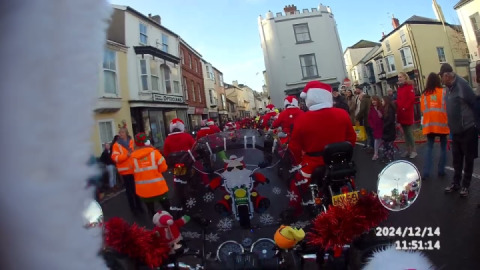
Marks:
<point>190,203</point>
<point>224,225</point>
<point>300,224</point>
<point>266,219</point>
<point>208,197</point>
<point>191,235</point>
<point>276,190</point>
<point>212,237</point>
<point>292,196</point>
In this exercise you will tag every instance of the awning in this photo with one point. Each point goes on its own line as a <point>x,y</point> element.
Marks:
<point>150,50</point>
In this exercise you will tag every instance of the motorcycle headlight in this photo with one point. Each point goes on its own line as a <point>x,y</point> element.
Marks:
<point>240,193</point>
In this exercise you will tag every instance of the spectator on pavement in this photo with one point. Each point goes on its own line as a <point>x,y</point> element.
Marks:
<point>389,131</point>
<point>375,121</point>
<point>434,123</point>
<point>106,159</point>
<point>339,101</point>
<point>405,112</point>
<point>362,119</point>
<point>461,121</point>
<point>351,105</point>
<point>391,94</point>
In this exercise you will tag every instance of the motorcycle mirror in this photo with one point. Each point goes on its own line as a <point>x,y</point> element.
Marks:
<point>93,214</point>
<point>398,185</point>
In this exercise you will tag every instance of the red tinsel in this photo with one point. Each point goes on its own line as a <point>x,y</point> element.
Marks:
<point>136,242</point>
<point>340,225</point>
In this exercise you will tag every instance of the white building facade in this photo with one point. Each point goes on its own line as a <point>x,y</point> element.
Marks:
<point>154,71</point>
<point>468,12</point>
<point>299,47</point>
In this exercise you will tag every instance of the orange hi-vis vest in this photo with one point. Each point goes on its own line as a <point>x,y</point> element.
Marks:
<point>434,113</point>
<point>148,165</point>
<point>121,159</point>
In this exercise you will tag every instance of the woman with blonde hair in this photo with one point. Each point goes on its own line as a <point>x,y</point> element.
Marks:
<point>434,122</point>
<point>405,112</point>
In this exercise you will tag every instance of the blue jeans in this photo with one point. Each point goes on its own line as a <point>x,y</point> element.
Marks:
<point>427,167</point>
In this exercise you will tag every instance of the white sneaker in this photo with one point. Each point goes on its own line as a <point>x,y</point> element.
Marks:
<point>413,154</point>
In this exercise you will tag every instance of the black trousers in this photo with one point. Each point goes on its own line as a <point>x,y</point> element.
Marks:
<point>464,150</point>
<point>133,200</point>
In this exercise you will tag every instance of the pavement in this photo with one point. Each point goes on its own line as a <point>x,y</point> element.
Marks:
<point>457,218</point>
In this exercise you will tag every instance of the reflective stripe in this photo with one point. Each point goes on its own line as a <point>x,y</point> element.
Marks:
<point>122,169</point>
<point>115,153</point>
<point>161,160</point>
<point>435,124</point>
<point>120,148</point>
<point>141,182</point>
<point>434,110</point>
<point>153,167</point>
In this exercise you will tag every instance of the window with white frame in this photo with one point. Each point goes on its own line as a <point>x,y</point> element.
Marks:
<point>143,33</point>
<point>105,128</point>
<point>154,77</point>
<point>210,94</point>
<point>209,71</point>
<point>380,66</point>
<point>407,59</point>
<point>109,72</point>
<point>167,78</point>
<point>144,74</point>
<point>193,90</point>
<point>185,87</point>
<point>224,101</point>
<point>364,68</point>
<point>165,43</point>
<point>309,66</point>
<point>176,87</point>
<point>220,79</point>
<point>390,63</point>
<point>403,38</point>
<point>302,33</point>
<point>441,55</point>
<point>387,44</point>
<point>199,92</point>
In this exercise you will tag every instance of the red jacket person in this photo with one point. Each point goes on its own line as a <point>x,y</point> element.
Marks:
<point>177,140</point>
<point>287,118</point>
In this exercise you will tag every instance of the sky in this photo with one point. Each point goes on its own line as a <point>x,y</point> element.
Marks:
<point>226,33</point>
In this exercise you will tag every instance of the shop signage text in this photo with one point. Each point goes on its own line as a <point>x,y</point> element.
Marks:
<point>167,98</point>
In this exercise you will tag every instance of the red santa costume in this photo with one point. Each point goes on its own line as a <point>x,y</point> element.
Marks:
<point>286,118</point>
<point>268,116</point>
<point>316,128</point>
<point>213,127</point>
<point>230,126</point>
<point>204,131</point>
<point>177,140</point>
<point>169,229</point>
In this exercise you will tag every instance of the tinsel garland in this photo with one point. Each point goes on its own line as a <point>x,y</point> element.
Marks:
<point>136,242</point>
<point>340,225</point>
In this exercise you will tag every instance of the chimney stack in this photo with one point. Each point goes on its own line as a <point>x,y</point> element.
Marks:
<point>395,22</point>
<point>290,9</point>
<point>155,18</point>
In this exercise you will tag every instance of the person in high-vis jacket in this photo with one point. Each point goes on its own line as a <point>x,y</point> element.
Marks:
<point>121,151</point>
<point>434,123</point>
<point>148,164</point>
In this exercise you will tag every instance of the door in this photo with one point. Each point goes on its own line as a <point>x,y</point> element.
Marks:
<point>157,126</point>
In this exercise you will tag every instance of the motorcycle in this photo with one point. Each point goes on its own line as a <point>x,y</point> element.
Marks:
<point>185,179</point>
<point>226,246</point>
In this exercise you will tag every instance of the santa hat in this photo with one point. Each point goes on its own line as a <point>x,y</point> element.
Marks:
<point>210,122</point>
<point>317,95</point>
<point>177,123</point>
<point>162,218</point>
<point>140,139</point>
<point>270,108</point>
<point>291,101</point>
<point>391,258</point>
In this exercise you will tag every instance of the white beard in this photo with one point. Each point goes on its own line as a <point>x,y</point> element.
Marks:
<point>48,112</point>
<point>391,258</point>
<point>236,178</point>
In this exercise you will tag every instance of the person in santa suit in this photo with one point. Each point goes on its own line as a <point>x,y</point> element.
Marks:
<point>321,125</point>
<point>230,126</point>
<point>287,118</point>
<point>212,126</point>
<point>267,118</point>
<point>204,131</point>
<point>177,140</point>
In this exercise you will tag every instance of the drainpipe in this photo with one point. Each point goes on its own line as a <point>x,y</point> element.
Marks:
<point>416,58</point>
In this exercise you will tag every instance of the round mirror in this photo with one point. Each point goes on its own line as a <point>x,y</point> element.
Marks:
<point>398,185</point>
<point>93,214</point>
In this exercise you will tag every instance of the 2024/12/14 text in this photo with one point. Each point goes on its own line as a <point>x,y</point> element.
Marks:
<point>408,231</point>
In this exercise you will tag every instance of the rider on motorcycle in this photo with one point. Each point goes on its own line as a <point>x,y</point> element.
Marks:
<point>268,117</point>
<point>212,126</point>
<point>204,131</point>
<point>177,140</point>
<point>321,125</point>
<point>288,116</point>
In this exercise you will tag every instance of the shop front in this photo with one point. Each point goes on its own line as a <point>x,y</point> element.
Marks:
<point>153,117</point>
<point>196,116</point>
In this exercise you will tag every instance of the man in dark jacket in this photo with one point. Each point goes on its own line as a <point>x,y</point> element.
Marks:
<point>339,101</point>
<point>362,118</point>
<point>461,121</point>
